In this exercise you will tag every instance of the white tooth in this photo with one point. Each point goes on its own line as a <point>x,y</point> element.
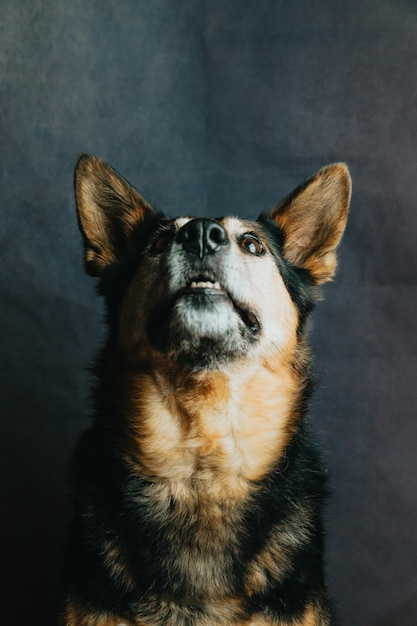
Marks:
<point>205,285</point>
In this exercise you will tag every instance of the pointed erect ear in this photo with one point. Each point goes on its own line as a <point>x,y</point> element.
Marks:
<point>313,218</point>
<point>108,209</point>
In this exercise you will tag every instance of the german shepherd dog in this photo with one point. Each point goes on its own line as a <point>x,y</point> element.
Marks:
<point>197,489</point>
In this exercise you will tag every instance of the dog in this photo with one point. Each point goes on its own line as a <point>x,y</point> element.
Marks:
<point>198,490</point>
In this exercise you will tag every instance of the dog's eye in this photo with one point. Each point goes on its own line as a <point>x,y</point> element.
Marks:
<point>161,243</point>
<point>251,244</point>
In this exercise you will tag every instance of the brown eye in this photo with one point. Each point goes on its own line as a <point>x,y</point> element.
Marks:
<point>161,243</point>
<point>251,244</point>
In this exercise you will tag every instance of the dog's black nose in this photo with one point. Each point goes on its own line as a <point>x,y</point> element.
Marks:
<point>202,236</point>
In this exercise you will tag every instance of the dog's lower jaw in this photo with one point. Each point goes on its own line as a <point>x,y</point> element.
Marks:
<point>203,330</point>
<point>204,353</point>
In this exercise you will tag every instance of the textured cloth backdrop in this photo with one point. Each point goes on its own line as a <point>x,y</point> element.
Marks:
<point>209,108</point>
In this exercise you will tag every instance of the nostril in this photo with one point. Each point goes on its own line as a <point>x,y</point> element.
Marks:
<point>216,233</point>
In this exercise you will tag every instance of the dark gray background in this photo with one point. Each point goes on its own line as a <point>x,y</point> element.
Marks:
<point>208,108</point>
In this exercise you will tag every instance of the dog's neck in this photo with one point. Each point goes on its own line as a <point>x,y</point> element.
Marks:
<point>235,424</point>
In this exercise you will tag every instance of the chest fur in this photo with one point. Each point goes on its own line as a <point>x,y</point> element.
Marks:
<point>223,431</point>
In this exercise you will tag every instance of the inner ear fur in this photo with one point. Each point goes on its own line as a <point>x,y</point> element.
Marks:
<point>313,218</point>
<point>108,209</point>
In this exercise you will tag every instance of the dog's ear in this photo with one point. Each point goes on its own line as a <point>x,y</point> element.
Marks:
<point>313,218</point>
<point>108,209</point>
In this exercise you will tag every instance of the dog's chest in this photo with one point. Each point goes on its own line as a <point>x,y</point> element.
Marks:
<point>192,537</point>
<point>221,433</point>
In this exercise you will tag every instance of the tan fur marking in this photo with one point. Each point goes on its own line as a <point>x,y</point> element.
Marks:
<point>311,617</point>
<point>115,562</point>
<point>265,398</point>
<point>276,556</point>
<point>76,616</point>
<point>233,425</point>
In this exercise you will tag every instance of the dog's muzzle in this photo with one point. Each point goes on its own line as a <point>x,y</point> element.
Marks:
<point>201,320</point>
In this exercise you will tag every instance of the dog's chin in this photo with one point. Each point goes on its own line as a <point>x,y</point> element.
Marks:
<point>203,329</point>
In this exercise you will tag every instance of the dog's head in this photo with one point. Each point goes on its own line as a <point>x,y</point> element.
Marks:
<point>202,291</point>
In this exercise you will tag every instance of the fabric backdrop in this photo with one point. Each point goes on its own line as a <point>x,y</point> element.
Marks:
<point>209,108</point>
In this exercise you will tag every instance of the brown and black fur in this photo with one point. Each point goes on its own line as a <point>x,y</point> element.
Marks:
<point>198,491</point>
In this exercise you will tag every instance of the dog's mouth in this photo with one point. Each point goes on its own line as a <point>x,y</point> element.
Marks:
<point>201,287</point>
<point>204,285</point>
